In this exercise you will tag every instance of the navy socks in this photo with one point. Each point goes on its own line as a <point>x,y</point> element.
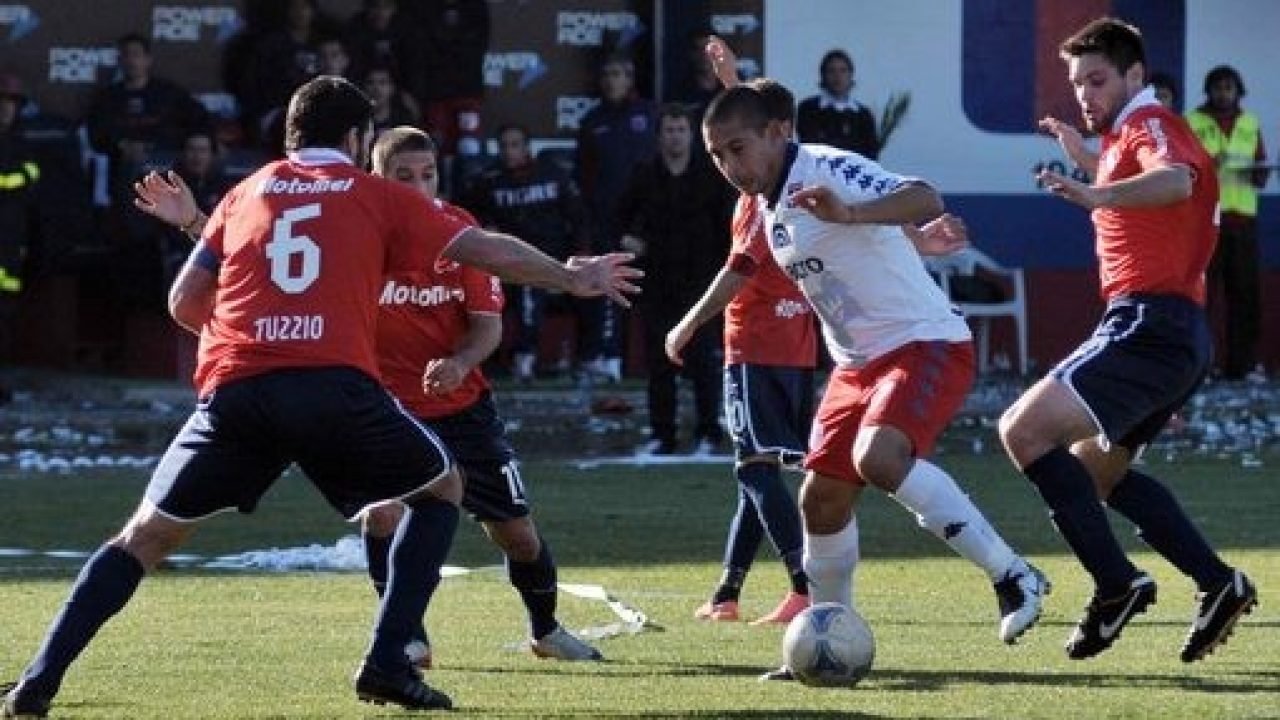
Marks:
<point>105,585</point>
<point>536,583</point>
<point>419,549</point>
<point>1164,525</point>
<point>1065,484</point>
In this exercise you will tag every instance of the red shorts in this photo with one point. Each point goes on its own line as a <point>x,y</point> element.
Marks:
<point>915,389</point>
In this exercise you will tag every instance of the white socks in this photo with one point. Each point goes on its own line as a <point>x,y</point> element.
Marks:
<point>942,508</point>
<point>829,561</point>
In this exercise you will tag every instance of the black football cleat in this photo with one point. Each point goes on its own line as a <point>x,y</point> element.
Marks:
<point>1217,614</point>
<point>405,689</point>
<point>1105,618</point>
<point>18,704</point>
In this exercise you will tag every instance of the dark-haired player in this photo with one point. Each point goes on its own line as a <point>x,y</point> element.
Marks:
<point>904,357</point>
<point>436,326</point>
<point>283,289</point>
<point>1074,434</point>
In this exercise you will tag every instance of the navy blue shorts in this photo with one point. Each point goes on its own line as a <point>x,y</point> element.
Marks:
<point>769,410</point>
<point>349,436</point>
<point>477,439</point>
<point>1145,359</point>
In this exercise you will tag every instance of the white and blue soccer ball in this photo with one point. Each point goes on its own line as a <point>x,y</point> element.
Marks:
<point>829,645</point>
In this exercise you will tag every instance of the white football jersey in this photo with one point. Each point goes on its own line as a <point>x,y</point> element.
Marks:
<point>867,283</point>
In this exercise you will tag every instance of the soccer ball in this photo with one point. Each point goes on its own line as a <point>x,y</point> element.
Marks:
<point>829,645</point>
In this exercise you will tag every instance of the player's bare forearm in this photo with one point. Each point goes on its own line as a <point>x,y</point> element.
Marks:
<point>484,334</point>
<point>717,297</point>
<point>510,258</point>
<point>191,297</point>
<point>1158,186</point>
<point>912,203</point>
<point>723,61</point>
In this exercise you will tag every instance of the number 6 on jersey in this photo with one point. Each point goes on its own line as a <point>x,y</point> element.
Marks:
<point>285,245</point>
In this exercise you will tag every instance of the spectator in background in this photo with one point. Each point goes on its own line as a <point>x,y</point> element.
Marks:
<point>675,215</point>
<point>1233,137</point>
<point>833,116</point>
<point>19,173</point>
<point>281,60</point>
<point>700,83</point>
<point>138,115</point>
<point>539,203</point>
<point>392,107</point>
<point>200,169</point>
<point>382,36</point>
<point>335,59</point>
<point>613,138</point>
<point>1166,91</point>
<point>455,40</point>
<point>137,121</point>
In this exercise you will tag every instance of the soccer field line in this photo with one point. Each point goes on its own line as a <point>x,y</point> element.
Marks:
<point>347,555</point>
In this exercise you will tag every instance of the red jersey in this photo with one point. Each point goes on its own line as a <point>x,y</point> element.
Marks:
<point>303,246</point>
<point>1163,249</point>
<point>769,321</point>
<point>423,316</point>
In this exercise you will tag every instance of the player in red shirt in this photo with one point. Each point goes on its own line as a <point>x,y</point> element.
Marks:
<point>1075,433</point>
<point>770,350</point>
<point>436,326</point>
<point>283,289</point>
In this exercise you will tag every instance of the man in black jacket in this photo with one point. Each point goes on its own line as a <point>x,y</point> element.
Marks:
<point>833,117</point>
<point>675,216</point>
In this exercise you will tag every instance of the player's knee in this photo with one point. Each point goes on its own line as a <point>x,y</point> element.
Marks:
<point>151,537</point>
<point>381,520</point>
<point>882,465</point>
<point>1023,438</point>
<point>517,538</point>
<point>826,504</point>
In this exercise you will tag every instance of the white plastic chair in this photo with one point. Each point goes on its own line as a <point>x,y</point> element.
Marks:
<point>970,261</point>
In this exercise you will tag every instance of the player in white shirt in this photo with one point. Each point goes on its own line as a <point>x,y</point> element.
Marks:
<point>905,362</point>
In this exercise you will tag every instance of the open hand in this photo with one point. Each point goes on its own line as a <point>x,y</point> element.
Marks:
<point>165,197</point>
<point>607,275</point>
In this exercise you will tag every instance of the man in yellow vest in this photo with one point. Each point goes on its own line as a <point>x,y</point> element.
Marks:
<point>1234,138</point>
<point>18,174</point>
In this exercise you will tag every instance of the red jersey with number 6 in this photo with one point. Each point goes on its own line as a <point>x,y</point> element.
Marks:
<point>303,246</point>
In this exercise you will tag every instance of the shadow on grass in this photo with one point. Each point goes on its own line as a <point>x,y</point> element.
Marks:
<point>763,714</point>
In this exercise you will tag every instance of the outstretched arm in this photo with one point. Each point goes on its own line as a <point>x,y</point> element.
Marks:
<point>726,284</point>
<point>723,61</point>
<point>516,261</point>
